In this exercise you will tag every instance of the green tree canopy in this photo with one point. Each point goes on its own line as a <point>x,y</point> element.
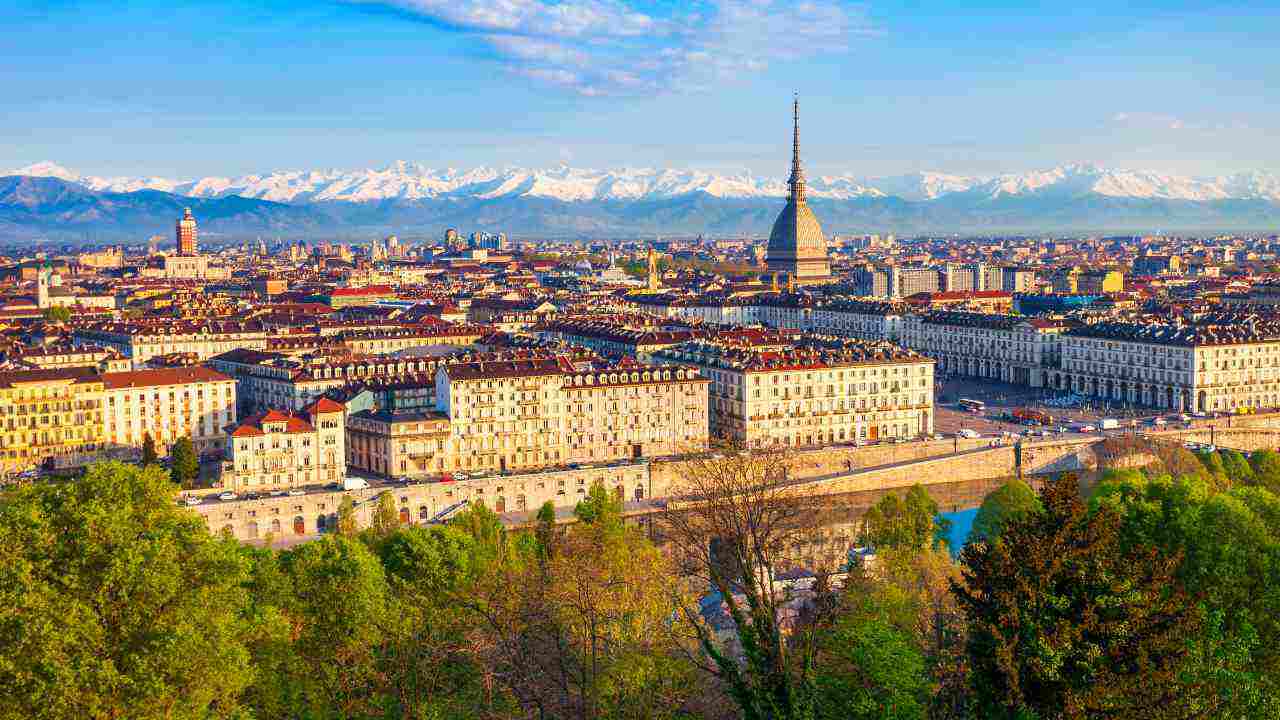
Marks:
<point>347,525</point>
<point>1236,468</point>
<point>1266,469</point>
<point>1005,504</point>
<point>116,603</point>
<point>910,522</point>
<point>1227,545</point>
<point>184,465</point>
<point>1067,620</point>
<point>386,518</point>
<point>149,455</point>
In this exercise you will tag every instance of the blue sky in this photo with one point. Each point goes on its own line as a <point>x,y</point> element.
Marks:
<point>198,87</point>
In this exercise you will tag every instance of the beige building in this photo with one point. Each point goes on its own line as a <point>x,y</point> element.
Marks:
<point>167,404</point>
<point>1226,363</point>
<point>49,417</point>
<point>142,341</point>
<point>398,444</point>
<point>519,414</point>
<point>277,450</point>
<point>998,347</point>
<point>820,391</point>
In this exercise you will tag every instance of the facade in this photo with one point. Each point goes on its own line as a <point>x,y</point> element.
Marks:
<point>820,391</point>
<point>998,347</point>
<point>167,404</point>
<point>1225,363</point>
<point>395,443</point>
<point>797,247</point>
<point>142,341</point>
<point>506,416</point>
<point>277,450</point>
<point>1099,282</point>
<point>185,234</point>
<point>50,418</point>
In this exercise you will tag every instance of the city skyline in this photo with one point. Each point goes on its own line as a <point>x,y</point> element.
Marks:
<point>977,90</point>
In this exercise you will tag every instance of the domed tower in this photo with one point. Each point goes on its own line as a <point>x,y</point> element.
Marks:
<point>797,247</point>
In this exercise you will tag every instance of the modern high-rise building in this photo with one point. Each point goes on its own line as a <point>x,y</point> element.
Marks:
<point>186,234</point>
<point>797,247</point>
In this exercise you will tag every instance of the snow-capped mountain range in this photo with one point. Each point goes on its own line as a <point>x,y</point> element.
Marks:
<point>411,181</point>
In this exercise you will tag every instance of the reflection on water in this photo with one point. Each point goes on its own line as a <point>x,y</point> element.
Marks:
<point>961,523</point>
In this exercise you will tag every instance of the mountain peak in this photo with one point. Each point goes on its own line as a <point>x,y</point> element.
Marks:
<point>411,181</point>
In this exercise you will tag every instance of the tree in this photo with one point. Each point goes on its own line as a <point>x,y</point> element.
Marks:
<point>115,603</point>
<point>347,525</point>
<point>870,670</point>
<point>913,522</point>
<point>344,617</point>
<point>1067,621</point>
<point>1213,468</point>
<point>732,523</point>
<point>1266,469</point>
<point>599,507</point>
<point>1005,504</point>
<point>385,516</point>
<point>546,529</point>
<point>1226,545</point>
<point>58,314</point>
<point>1236,468</point>
<point>184,466</point>
<point>149,455</point>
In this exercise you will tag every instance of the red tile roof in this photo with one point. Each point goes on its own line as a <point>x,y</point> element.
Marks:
<point>163,376</point>
<point>323,405</point>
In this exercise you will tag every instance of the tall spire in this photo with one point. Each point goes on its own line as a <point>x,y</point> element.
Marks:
<point>796,182</point>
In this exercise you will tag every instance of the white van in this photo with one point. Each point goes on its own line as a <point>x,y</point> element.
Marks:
<point>354,483</point>
<point>968,434</point>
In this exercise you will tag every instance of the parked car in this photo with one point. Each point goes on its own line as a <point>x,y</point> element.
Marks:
<point>228,495</point>
<point>355,483</point>
<point>278,493</point>
<point>193,500</point>
<point>297,491</point>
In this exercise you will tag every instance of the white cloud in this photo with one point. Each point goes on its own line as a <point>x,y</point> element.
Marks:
<point>602,47</point>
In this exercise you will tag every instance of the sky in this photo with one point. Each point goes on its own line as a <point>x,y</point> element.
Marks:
<point>188,88</point>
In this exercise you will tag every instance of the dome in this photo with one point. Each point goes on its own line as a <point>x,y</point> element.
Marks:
<point>797,232</point>
<point>797,247</point>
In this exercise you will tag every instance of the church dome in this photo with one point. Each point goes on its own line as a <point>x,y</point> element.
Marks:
<point>796,232</point>
<point>796,245</point>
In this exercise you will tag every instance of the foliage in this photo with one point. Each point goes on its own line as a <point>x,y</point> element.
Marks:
<point>1213,468</point>
<point>600,507</point>
<point>732,524</point>
<point>912,522</point>
<point>386,518</point>
<point>115,603</point>
<point>869,669</point>
<point>149,455</point>
<point>58,314</point>
<point>184,466</point>
<point>1228,546</point>
<point>1236,467</point>
<point>347,525</point>
<point>1004,505</point>
<point>1266,469</point>
<point>1067,620</point>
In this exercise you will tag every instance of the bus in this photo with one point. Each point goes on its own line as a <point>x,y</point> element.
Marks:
<point>973,406</point>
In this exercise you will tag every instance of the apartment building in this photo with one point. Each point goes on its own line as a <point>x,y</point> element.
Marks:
<point>998,347</point>
<point>139,342</point>
<point>167,404</point>
<point>1226,362</point>
<point>50,418</point>
<point>821,390</point>
<point>516,414</point>
<point>277,450</point>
